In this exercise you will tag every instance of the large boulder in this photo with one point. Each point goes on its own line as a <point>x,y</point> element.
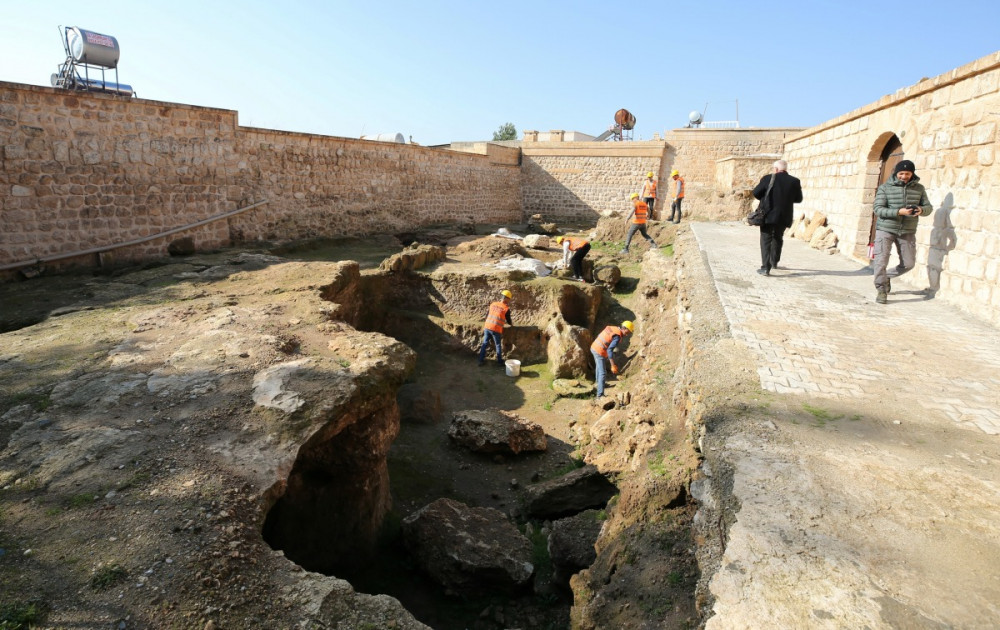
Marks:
<point>413,257</point>
<point>824,239</point>
<point>608,274</point>
<point>818,220</point>
<point>568,348</point>
<point>571,544</point>
<point>579,490</point>
<point>496,431</point>
<point>537,241</point>
<point>466,549</point>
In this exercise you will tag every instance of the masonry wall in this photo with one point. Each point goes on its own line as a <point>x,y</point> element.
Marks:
<point>948,128</point>
<point>577,181</point>
<point>83,171</point>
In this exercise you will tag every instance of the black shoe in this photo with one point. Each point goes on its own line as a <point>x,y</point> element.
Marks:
<point>764,271</point>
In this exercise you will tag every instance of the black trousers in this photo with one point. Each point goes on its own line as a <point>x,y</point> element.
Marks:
<point>772,237</point>
<point>576,262</point>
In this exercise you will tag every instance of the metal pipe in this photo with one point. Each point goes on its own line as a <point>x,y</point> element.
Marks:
<point>138,241</point>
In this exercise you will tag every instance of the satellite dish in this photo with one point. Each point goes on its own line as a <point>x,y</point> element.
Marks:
<point>695,118</point>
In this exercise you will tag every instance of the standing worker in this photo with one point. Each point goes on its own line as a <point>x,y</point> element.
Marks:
<point>640,211</point>
<point>603,347</point>
<point>649,195</point>
<point>677,191</point>
<point>493,329</point>
<point>899,204</point>
<point>579,247</point>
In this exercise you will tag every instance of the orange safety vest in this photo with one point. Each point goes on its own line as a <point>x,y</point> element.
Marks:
<point>497,317</point>
<point>641,211</point>
<point>679,188</point>
<point>575,243</point>
<point>649,189</point>
<point>600,345</point>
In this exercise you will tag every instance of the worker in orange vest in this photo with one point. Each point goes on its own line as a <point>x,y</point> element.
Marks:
<point>579,248</point>
<point>678,194</point>
<point>604,347</point>
<point>649,195</point>
<point>493,329</point>
<point>639,214</point>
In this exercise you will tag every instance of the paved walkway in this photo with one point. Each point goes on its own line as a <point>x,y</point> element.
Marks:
<point>816,329</point>
<point>865,490</point>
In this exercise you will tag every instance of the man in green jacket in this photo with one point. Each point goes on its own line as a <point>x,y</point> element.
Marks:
<point>899,204</point>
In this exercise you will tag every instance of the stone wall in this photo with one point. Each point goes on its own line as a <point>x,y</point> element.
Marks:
<point>948,128</point>
<point>578,181</point>
<point>85,171</point>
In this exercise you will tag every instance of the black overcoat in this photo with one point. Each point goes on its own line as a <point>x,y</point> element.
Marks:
<point>786,192</point>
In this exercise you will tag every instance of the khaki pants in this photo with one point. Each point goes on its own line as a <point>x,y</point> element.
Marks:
<point>883,248</point>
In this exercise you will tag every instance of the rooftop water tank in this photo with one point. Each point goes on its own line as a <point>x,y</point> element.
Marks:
<point>92,48</point>
<point>624,118</point>
<point>386,137</point>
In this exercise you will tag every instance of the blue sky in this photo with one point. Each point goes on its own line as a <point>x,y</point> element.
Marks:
<point>445,71</point>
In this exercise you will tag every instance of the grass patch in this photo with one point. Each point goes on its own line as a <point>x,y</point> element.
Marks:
<point>80,500</point>
<point>107,576</point>
<point>668,249</point>
<point>573,464</point>
<point>674,578</point>
<point>822,416</point>
<point>20,615</point>
<point>657,466</point>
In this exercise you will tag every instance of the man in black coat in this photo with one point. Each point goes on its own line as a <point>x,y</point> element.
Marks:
<point>778,213</point>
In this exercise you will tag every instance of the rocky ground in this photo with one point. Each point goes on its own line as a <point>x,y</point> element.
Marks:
<point>152,417</point>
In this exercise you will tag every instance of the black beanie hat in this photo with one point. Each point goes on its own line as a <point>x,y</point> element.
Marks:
<point>904,165</point>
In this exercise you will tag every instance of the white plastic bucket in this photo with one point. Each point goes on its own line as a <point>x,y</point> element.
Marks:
<point>513,367</point>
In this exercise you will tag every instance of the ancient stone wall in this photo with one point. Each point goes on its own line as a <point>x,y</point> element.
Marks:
<point>948,127</point>
<point>577,181</point>
<point>85,171</point>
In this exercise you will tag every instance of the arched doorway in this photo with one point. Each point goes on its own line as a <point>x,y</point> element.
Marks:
<point>886,152</point>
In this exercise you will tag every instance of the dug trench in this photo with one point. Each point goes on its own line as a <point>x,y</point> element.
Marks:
<point>444,522</point>
<point>159,419</point>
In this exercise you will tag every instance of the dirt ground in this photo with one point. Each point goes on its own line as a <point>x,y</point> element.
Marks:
<point>136,501</point>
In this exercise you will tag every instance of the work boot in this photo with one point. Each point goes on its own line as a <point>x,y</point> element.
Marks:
<point>882,297</point>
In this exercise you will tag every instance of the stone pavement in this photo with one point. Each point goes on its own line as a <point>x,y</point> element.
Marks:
<point>816,329</point>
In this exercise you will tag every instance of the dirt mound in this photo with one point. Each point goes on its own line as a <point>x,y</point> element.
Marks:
<point>491,248</point>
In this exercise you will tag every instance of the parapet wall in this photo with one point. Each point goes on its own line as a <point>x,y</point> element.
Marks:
<point>83,171</point>
<point>948,127</point>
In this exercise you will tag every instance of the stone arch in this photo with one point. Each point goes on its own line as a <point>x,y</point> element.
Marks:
<point>886,143</point>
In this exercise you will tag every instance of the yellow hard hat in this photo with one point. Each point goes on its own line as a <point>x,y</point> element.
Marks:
<point>649,174</point>
<point>628,325</point>
<point>634,196</point>
<point>559,240</point>
<point>672,173</point>
<point>506,293</point>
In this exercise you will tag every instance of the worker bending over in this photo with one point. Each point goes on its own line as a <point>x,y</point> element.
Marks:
<point>574,250</point>
<point>604,347</point>
<point>493,329</point>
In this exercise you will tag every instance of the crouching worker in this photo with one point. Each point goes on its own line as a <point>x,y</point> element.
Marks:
<point>604,347</point>
<point>574,250</point>
<point>493,329</point>
<point>639,214</point>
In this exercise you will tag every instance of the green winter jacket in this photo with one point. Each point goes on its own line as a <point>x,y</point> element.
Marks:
<point>893,195</point>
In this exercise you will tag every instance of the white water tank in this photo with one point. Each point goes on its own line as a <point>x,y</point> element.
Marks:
<point>92,48</point>
<point>386,137</point>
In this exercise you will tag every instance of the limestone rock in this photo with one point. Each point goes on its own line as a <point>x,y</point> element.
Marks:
<point>581,489</point>
<point>819,219</point>
<point>798,225</point>
<point>567,349</point>
<point>571,544</point>
<point>419,405</point>
<point>537,241</point>
<point>549,228</point>
<point>824,239</point>
<point>608,274</point>
<point>572,387</point>
<point>496,431</point>
<point>414,257</point>
<point>269,387</point>
<point>608,426</point>
<point>468,549</point>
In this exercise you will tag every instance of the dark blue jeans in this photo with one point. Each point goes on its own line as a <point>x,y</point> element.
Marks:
<point>599,372</point>
<point>497,339</point>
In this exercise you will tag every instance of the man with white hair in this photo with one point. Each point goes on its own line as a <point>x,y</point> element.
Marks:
<point>778,193</point>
